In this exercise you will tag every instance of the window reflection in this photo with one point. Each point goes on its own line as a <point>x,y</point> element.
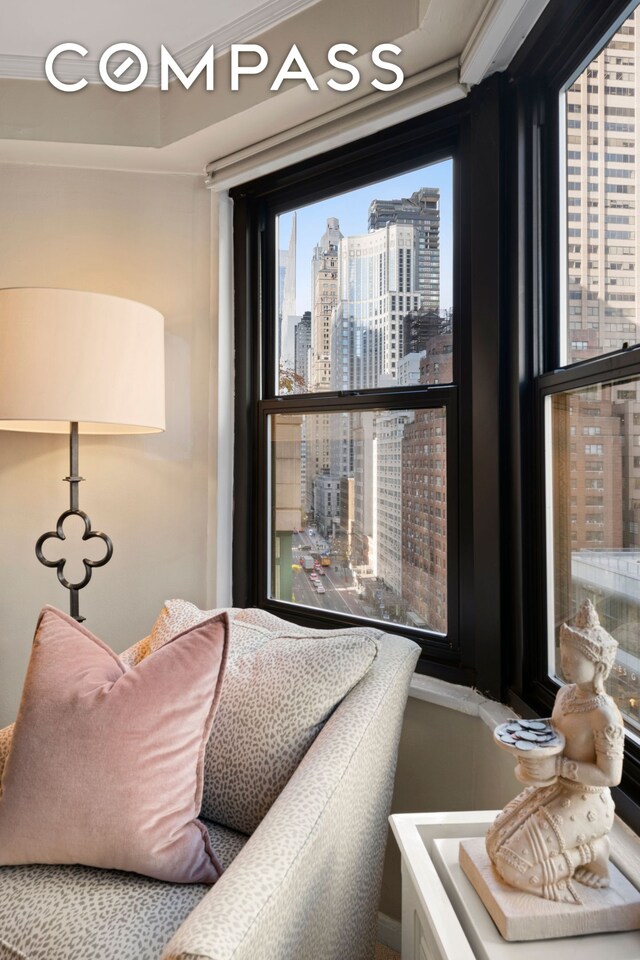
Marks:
<point>596,519</point>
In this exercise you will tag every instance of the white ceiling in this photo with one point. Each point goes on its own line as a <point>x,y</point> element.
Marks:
<point>181,131</point>
<point>29,30</point>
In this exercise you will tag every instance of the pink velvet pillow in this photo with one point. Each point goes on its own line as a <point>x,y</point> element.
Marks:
<point>106,763</point>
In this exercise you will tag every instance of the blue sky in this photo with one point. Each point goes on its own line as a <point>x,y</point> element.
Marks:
<point>352,208</point>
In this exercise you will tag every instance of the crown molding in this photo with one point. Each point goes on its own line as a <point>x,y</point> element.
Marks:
<point>243,29</point>
<point>240,30</point>
<point>22,68</point>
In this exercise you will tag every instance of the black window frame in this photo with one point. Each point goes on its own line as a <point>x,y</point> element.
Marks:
<point>560,45</point>
<point>507,278</point>
<point>469,131</point>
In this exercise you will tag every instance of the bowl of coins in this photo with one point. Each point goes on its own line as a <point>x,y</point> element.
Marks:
<point>531,742</point>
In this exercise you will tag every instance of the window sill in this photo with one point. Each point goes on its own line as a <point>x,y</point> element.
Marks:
<point>463,699</point>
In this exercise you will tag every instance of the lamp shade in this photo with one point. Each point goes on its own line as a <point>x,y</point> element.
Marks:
<point>72,356</point>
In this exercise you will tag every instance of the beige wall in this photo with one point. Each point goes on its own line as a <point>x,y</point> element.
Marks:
<point>149,237</point>
<point>146,237</point>
<point>447,761</point>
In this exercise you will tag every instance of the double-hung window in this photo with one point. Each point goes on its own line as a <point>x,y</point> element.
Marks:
<point>354,410</point>
<point>360,431</point>
<point>584,347</point>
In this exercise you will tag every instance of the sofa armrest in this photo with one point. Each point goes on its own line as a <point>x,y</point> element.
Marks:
<point>307,883</point>
<point>6,734</point>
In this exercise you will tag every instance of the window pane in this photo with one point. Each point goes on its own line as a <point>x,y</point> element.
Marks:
<point>595,484</point>
<point>601,180</point>
<point>368,536</point>
<point>364,280</point>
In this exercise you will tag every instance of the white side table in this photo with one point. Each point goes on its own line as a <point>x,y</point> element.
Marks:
<point>443,917</point>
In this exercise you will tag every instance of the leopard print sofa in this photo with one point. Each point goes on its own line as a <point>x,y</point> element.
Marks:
<point>303,885</point>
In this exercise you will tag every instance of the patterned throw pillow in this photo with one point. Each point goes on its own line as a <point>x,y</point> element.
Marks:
<point>105,766</point>
<point>281,685</point>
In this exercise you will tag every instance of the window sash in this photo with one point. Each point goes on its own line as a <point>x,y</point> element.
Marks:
<point>471,137</point>
<point>541,71</point>
<point>421,397</point>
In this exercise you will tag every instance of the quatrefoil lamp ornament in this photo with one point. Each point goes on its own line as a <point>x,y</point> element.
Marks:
<point>59,534</point>
<point>85,363</point>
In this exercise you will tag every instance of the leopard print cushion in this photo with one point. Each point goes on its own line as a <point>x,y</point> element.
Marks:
<point>282,683</point>
<point>136,653</point>
<point>269,712</point>
<point>57,912</point>
<point>175,617</point>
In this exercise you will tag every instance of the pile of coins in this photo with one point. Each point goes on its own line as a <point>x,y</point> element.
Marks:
<point>528,734</point>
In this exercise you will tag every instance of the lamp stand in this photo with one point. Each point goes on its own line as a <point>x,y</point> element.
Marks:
<point>74,480</point>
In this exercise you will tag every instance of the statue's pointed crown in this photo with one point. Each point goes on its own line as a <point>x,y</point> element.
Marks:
<point>587,634</point>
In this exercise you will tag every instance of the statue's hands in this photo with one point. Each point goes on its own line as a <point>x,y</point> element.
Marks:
<point>541,771</point>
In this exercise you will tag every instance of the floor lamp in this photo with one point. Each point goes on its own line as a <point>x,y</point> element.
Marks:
<point>79,363</point>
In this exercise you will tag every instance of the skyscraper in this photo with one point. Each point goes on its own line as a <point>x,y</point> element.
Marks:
<point>376,274</point>
<point>422,212</point>
<point>602,245</point>
<point>324,278</point>
<point>603,292</point>
<point>301,385</point>
<point>389,432</point>
<point>424,500</point>
<point>377,289</point>
<point>423,325</point>
<point>287,298</point>
<point>363,546</point>
<point>302,350</point>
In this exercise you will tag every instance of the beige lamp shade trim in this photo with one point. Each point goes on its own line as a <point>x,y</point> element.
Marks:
<point>72,356</point>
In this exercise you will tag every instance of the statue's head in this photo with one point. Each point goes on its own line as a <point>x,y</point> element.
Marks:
<point>587,637</point>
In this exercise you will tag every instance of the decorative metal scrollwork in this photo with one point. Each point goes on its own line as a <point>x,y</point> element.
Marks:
<point>89,534</point>
<point>74,479</point>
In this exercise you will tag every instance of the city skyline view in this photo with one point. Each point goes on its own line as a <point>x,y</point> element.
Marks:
<point>352,208</point>
<point>361,521</point>
<point>594,460</point>
<point>364,302</point>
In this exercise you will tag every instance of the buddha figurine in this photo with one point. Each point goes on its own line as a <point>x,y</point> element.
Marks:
<point>556,831</point>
